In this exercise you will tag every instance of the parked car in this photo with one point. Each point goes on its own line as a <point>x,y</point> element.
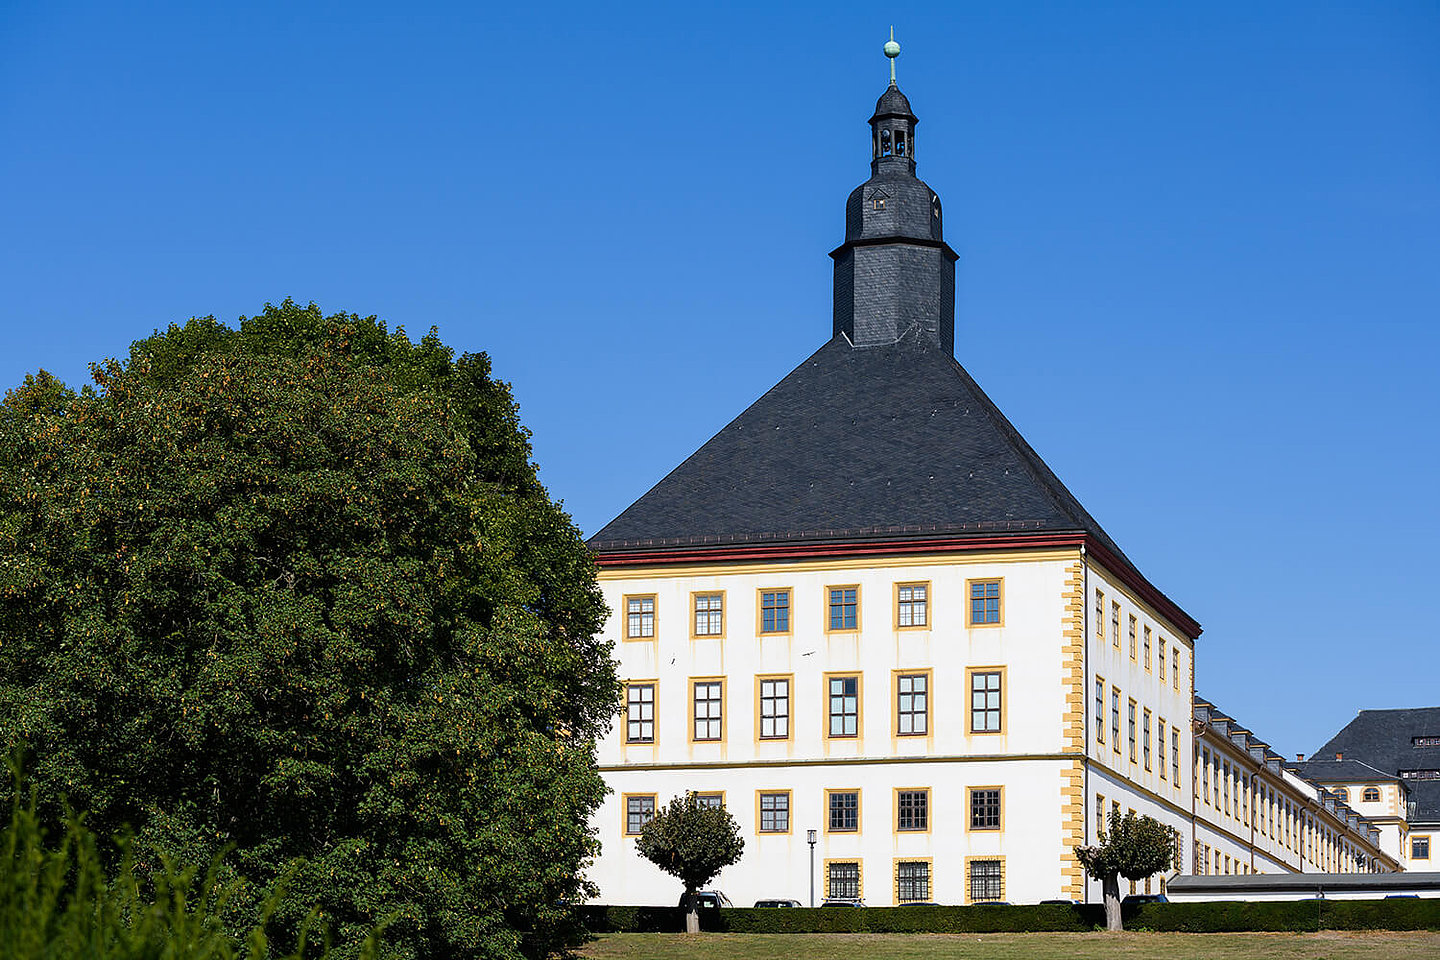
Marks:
<point>1058,903</point>
<point>991,903</point>
<point>707,900</point>
<point>843,902</point>
<point>919,903</point>
<point>777,903</point>
<point>1135,899</point>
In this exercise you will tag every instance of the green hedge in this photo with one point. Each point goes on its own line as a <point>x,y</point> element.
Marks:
<point>1291,915</point>
<point>1219,917</point>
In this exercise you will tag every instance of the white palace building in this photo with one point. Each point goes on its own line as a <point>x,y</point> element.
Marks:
<point>867,608</point>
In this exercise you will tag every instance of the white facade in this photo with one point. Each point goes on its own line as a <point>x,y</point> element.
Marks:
<point>1081,729</point>
<point>1036,759</point>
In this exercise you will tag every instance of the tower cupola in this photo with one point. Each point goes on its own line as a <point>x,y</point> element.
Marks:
<point>894,274</point>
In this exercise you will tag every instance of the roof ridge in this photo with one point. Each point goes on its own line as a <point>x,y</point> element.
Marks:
<point>1065,501</point>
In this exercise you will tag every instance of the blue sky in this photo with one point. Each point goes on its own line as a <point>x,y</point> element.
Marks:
<point>1199,250</point>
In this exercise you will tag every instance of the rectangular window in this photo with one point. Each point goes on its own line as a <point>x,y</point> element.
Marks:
<point>987,880</point>
<point>1160,729</point>
<point>842,881</point>
<point>1145,732</point>
<point>985,704</point>
<point>1175,756</point>
<point>844,811</point>
<point>984,808</point>
<point>1175,667</point>
<point>775,812</point>
<point>912,605</point>
<point>1216,761</point>
<point>640,713</point>
<point>1115,718</point>
<point>709,709</point>
<point>1134,651</point>
<point>912,704</point>
<point>844,706</point>
<point>984,603</point>
<point>1131,729</point>
<point>844,608</point>
<point>1099,817</point>
<point>1205,775</point>
<point>1115,624</point>
<point>1147,646</point>
<point>912,881</point>
<point>1419,848</point>
<point>1225,786</point>
<point>710,801</point>
<point>709,614</point>
<point>775,708</point>
<point>912,810</point>
<point>639,618</point>
<point>639,810</point>
<point>774,611</point>
<point>1100,614</point>
<point>1160,660</point>
<point>1099,709</point>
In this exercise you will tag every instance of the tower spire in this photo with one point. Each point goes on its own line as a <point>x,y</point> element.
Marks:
<point>892,50</point>
<point>894,274</point>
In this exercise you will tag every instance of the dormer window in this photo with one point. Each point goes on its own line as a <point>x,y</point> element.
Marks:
<point>878,203</point>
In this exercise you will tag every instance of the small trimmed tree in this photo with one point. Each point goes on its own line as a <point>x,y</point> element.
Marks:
<point>692,842</point>
<point>1135,847</point>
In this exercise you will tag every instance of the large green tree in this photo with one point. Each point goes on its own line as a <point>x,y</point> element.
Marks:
<point>296,587</point>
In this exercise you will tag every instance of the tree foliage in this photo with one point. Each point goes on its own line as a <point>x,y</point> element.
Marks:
<point>296,587</point>
<point>691,841</point>
<point>1134,848</point>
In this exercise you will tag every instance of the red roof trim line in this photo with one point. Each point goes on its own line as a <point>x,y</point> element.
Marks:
<point>1144,589</point>
<point>808,551</point>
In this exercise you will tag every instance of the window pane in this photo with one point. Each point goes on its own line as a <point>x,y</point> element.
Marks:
<point>986,880</point>
<point>913,810</point>
<point>984,809</point>
<point>844,811</point>
<point>774,812</point>
<point>913,881</point>
<point>638,812</point>
<point>843,881</point>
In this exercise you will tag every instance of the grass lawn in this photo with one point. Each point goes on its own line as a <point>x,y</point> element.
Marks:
<point>1016,946</point>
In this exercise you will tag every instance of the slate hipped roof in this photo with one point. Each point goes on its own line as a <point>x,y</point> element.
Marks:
<point>857,443</point>
<point>1385,739</point>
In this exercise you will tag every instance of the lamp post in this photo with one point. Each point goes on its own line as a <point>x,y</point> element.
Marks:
<point>810,839</point>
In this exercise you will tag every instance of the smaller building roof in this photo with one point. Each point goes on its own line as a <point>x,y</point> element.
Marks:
<point>1399,742</point>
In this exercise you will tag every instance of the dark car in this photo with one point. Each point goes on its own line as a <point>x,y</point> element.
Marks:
<point>1057,903</point>
<point>919,903</point>
<point>843,902</point>
<point>1135,899</point>
<point>707,900</point>
<point>777,903</point>
<point>991,903</point>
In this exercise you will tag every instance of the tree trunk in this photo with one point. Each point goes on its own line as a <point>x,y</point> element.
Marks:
<point>1111,886</point>
<point>692,915</point>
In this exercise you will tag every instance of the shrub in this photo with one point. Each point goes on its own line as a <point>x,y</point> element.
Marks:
<point>59,901</point>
